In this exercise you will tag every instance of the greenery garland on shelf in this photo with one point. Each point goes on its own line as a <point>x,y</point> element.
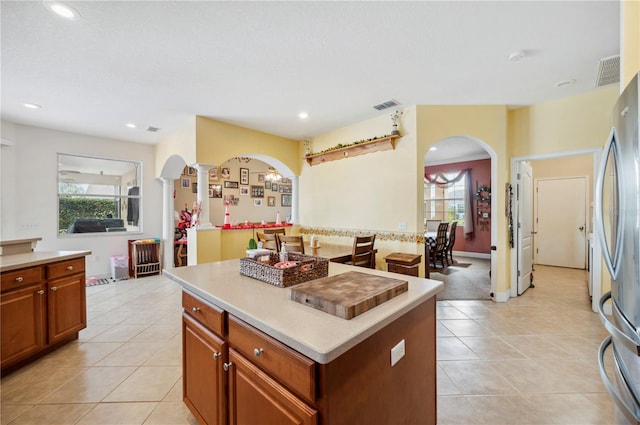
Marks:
<point>480,191</point>
<point>341,146</point>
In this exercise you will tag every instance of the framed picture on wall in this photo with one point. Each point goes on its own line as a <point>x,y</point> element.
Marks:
<point>185,183</point>
<point>216,189</point>
<point>271,201</point>
<point>191,171</point>
<point>267,185</point>
<point>285,189</point>
<point>261,178</point>
<point>286,200</point>
<point>210,192</point>
<point>226,173</point>
<point>244,191</point>
<point>285,180</point>
<point>244,176</point>
<point>214,174</point>
<point>274,187</point>
<point>194,187</point>
<point>257,202</point>
<point>231,185</point>
<point>257,191</point>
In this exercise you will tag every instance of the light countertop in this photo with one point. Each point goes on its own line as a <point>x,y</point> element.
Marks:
<point>36,258</point>
<point>318,335</point>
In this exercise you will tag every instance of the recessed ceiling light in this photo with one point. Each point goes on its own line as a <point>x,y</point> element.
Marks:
<point>565,82</point>
<point>32,106</point>
<point>516,56</point>
<point>303,115</point>
<point>131,125</point>
<point>62,9</point>
<point>433,148</point>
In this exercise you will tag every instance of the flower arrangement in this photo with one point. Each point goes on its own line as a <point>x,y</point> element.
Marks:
<point>188,219</point>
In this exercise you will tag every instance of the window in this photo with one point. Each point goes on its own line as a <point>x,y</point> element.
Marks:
<point>445,202</point>
<point>98,195</point>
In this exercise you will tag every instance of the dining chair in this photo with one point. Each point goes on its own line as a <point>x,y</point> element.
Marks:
<point>450,242</point>
<point>279,231</point>
<point>363,254</point>
<point>431,225</point>
<point>269,241</point>
<point>439,251</point>
<point>291,243</point>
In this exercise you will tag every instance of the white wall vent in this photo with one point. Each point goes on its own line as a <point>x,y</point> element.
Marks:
<point>608,71</point>
<point>386,105</point>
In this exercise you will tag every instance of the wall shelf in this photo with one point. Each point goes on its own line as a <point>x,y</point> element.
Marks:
<point>382,144</point>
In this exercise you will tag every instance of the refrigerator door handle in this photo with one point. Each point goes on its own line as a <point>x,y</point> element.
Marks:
<point>632,344</point>
<point>629,411</point>
<point>611,259</point>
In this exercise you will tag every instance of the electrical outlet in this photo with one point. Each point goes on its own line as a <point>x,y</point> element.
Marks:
<point>397,353</point>
<point>403,226</point>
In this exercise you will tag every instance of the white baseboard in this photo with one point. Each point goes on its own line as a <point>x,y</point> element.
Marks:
<point>472,254</point>
<point>502,297</point>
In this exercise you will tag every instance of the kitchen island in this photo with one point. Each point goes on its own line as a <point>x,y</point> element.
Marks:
<point>252,355</point>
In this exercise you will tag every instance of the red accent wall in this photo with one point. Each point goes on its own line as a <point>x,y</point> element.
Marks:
<point>480,176</point>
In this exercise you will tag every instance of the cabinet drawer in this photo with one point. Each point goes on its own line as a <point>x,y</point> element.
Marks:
<point>18,278</point>
<point>292,369</point>
<point>205,313</point>
<point>65,268</point>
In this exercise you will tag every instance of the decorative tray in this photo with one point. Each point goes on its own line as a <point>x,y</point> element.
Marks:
<point>303,268</point>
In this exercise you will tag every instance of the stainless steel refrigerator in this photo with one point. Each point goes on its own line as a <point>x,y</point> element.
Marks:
<point>617,211</point>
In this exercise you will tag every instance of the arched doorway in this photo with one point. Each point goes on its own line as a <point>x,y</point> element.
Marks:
<point>449,157</point>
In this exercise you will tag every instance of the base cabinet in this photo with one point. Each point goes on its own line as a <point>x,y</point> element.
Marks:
<point>256,398</point>
<point>41,307</point>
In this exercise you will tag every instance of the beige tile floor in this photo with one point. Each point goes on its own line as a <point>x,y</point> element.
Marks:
<point>529,361</point>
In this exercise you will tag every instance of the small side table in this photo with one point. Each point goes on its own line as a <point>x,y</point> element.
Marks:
<point>398,262</point>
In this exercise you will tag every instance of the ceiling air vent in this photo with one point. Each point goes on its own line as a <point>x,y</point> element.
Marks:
<point>608,71</point>
<point>386,105</point>
<point>153,129</point>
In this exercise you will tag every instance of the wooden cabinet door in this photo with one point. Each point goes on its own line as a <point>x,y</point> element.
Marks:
<point>23,323</point>
<point>255,398</point>
<point>67,307</point>
<point>203,379</point>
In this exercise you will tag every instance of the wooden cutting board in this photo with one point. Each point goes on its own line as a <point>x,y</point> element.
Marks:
<point>347,294</point>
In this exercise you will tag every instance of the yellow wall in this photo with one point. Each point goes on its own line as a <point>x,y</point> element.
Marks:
<point>569,124</point>
<point>630,40</point>
<point>182,143</point>
<point>216,142</point>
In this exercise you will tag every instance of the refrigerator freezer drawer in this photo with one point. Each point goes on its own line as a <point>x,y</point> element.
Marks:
<point>621,394</point>
<point>630,339</point>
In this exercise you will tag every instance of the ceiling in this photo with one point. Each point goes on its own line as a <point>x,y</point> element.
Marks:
<point>259,64</point>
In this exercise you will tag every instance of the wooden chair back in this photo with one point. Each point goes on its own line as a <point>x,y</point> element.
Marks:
<point>363,254</point>
<point>279,231</point>
<point>291,243</point>
<point>451,241</point>
<point>269,241</point>
<point>439,252</point>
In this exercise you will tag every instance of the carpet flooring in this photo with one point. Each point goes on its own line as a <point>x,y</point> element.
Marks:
<point>466,279</point>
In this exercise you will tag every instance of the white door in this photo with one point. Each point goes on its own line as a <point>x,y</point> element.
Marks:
<point>524,226</point>
<point>561,236</point>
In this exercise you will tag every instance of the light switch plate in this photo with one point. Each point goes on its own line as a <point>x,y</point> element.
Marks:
<point>397,353</point>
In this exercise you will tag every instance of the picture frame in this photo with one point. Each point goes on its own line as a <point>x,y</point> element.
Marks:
<point>285,180</point>
<point>231,185</point>
<point>185,171</point>
<point>217,190</point>
<point>210,192</point>
<point>285,199</point>
<point>271,201</point>
<point>257,191</point>
<point>285,189</point>
<point>267,185</point>
<point>244,176</point>
<point>261,178</point>
<point>231,199</point>
<point>244,191</point>
<point>257,202</point>
<point>194,187</point>
<point>225,173</point>
<point>214,174</point>
<point>185,183</point>
<point>192,171</point>
<point>274,187</point>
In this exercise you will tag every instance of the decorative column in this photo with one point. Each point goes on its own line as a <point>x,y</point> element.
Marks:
<point>294,199</point>
<point>168,221</point>
<point>203,195</point>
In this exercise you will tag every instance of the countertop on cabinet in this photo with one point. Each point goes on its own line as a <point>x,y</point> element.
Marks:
<point>316,334</point>
<point>36,258</point>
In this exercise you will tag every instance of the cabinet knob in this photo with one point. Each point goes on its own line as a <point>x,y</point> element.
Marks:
<point>19,279</point>
<point>258,351</point>
<point>69,268</point>
<point>195,309</point>
<point>227,366</point>
<point>54,288</point>
<point>40,292</point>
<point>216,356</point>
